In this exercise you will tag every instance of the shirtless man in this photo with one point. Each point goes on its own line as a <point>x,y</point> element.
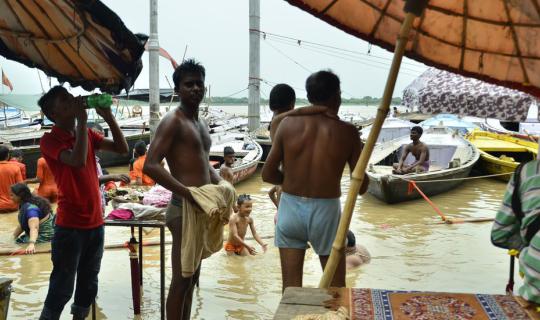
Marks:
<point>313,150</point>
<point>419,150</point>
<point>183,140</point>
<point>225,171</point>
<point>238,224</point>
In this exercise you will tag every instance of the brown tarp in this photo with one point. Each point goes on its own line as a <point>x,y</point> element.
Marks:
<point>493,40</point>
<point>81,42</point>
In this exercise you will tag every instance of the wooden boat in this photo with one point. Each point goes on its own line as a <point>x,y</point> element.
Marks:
<point>392,128</point>
<point>5,293</point>
<point>501,153</point>
<point>248,153</point>
<point>451,158</point>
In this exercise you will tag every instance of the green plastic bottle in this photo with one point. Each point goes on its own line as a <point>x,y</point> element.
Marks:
<point>103,100</point>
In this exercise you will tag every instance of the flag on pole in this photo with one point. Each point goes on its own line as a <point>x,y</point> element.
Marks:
<point>164,54</point>
<point>6,82</point>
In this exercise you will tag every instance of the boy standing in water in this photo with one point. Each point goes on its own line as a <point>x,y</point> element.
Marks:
<point>238,223</point>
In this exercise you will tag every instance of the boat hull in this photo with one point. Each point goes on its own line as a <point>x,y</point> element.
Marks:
<point>394,189</point>
<point>5,293</point>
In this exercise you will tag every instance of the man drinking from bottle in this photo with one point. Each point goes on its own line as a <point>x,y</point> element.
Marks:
<point>77,246</point>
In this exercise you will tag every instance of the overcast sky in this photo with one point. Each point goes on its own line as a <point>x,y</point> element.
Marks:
<point>216,33</point>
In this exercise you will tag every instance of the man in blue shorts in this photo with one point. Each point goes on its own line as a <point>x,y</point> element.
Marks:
<point>313,150</point>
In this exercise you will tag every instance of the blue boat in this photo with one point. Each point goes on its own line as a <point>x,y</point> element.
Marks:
<point>450,121</point>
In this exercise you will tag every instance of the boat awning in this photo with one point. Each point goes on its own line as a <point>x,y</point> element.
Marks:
<point>80,42</point>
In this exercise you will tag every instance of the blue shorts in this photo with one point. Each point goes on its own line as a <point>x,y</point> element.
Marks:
<point>303,219</point>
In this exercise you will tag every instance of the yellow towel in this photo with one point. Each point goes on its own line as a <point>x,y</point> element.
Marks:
<point>202,231</point>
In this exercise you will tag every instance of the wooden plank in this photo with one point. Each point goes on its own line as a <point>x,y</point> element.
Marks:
<point>289,311</point>
<point>306,296</point>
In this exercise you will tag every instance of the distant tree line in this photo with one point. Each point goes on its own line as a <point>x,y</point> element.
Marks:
<point>366,101</point>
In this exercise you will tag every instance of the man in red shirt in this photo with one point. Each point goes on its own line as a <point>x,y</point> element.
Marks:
<point>16,157</point>
<point>9,175</point>
<point>77,245</point>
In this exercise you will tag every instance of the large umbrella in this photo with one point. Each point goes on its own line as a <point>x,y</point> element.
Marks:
<point>77,41</point>
<point>439,91</point>
<point>493,40</point>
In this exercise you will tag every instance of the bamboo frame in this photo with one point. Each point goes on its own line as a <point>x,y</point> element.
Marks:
<point>358,174</point>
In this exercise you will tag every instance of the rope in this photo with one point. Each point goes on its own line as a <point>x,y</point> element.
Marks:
<point>412,184</point>
<point>454,179</point>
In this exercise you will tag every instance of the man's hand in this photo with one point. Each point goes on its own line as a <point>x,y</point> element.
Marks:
<point>80,112</point>
<point>30,249</point>
<point>264,247</point>
<point>105,113</point>
<point>122,178</point>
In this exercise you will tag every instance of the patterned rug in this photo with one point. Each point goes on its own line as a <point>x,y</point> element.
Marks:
<point>373,304</point>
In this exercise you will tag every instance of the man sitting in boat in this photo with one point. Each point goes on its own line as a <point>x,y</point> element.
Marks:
<point>419,150</point>
<point>225,171</point>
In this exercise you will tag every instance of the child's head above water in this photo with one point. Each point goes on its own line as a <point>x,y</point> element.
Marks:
<point>244,204</point>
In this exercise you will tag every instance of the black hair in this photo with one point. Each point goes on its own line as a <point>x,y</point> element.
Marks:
<point>22,191</point>
<point>4,153</point>
<point>243,198</point>
<point>321,86</point>
<point>351,239</point>
<point>46,102</point>
<point>418,129</point>
<point>95,125</point>
<point>188,66</point>
<point>282,96</point>
<point>15,153</point>
<point>140,148</point>
<point>228,151</point>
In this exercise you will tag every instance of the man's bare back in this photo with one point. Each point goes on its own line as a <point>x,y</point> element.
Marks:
<point>318,148</point>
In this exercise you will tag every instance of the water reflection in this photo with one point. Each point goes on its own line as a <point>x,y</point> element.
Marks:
<point>409,249</point>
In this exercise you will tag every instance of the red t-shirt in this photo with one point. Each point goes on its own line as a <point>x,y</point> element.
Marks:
<point>79,199</point>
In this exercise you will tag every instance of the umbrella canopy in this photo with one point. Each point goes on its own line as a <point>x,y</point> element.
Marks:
<point>438,91</point>
<point>80,42</point>
<point>492,40</point>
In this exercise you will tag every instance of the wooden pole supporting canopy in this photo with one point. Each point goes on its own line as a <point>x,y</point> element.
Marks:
<point>358,174</point>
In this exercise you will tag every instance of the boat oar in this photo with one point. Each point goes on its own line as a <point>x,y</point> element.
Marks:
<point>134,266</point>
<point>413,9</point>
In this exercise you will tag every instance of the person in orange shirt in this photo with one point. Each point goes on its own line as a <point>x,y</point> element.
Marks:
<point>16,157</point>
<point>10,174</point>
<point>137,175</point>
<point>47,186</point>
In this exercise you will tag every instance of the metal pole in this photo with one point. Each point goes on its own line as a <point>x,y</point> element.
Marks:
<point>153,62</point>
<point>254,65</point>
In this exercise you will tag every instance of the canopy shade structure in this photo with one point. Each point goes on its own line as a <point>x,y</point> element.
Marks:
<point>77,41</point>
<point>496,41</point>
<point>438,91</point>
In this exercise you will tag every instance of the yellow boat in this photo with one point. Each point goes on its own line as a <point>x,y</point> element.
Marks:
<point>500,153</point>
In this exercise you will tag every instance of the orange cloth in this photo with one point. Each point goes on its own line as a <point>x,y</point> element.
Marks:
<point>9,175</point>
<point>21,166</point>
<point>236,248</point>
<point>138,172</point>
<point>47,187</point>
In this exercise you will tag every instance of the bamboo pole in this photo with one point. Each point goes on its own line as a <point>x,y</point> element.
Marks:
<point>358,174</point>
